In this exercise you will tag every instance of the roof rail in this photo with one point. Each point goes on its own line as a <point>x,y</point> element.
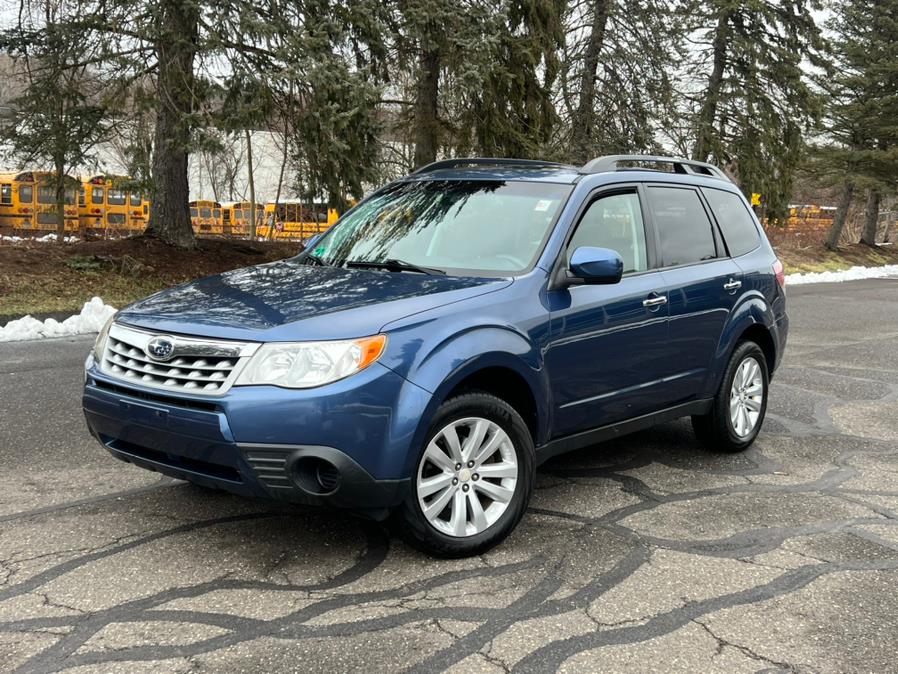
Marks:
<point>487,161</point>
<point>680,165</point>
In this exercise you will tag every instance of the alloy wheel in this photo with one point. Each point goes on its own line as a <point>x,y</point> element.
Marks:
<point>467,477</point>
<point>746,397</point>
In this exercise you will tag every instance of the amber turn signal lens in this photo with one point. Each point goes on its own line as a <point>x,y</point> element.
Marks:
<point>372,348</point>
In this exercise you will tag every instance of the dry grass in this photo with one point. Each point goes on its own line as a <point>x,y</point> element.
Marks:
<point>815,257</point>
<point>44,278</point>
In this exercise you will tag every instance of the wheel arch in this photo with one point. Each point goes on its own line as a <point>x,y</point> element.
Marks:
<point>512,377</point>
<point>760,335</point>
<point>751,319</point>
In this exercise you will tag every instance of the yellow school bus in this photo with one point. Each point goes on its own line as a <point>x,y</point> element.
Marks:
<point>105,206</point>
<point>205,216</point>
<point>295,219</point>
<point>28,203</point>
<point>138,211</point>
<point>236,217</point>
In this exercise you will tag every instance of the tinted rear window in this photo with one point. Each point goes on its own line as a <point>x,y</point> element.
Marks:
<point>735,221</point>
<point>683,225</point>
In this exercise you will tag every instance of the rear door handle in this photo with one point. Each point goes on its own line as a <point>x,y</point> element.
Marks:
<point>732,284</point>
<point>658,301</point>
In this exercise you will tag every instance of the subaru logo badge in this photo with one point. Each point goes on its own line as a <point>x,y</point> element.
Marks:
<point>160,348</point>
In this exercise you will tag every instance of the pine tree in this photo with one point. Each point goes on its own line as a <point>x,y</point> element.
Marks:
<point>616,89</point>
<point>512,113</point>
<point>199,54</point>
<point>441,49</point>
<point>756,102</point>
<point>481,75</point>
<point>860,147</point>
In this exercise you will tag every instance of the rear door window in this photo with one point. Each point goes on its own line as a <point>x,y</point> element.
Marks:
<point>735,221</point>
<point>684,229</point>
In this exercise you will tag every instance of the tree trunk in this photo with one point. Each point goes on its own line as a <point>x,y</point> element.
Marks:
<point>583,119</point>
<point>835,231</point>
<point>426,100</point>
<point>704,135</point>
<point>277,196</point>
<point>60,200</point>
<point>871,217</point>
<point>252,184</point>
<point>890,223</point>
<point>175,51</point>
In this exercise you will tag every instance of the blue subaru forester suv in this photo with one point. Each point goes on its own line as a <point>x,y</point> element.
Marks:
<point>452,331</point>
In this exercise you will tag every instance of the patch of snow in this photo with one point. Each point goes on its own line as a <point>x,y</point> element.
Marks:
<point>46,238</point>
<point>853,274</point>
<point>93,316</point>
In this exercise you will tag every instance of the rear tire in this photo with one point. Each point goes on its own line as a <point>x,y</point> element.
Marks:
<point>738,410</point>
<point>472,479</point>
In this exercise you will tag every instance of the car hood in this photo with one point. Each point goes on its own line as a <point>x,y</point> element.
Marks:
<point>288,300</point>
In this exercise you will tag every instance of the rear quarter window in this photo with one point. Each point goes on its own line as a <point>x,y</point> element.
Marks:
<point>735,221</point>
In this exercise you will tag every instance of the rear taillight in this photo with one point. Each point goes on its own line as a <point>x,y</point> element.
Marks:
<point>780,272</point>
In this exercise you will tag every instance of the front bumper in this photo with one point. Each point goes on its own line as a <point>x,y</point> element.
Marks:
<point>246,442</point>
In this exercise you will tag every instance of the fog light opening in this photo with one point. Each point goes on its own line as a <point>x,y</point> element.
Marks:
<point>316,476</point>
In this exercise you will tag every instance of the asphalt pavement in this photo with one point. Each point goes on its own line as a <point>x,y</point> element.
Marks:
<point>642,554</point>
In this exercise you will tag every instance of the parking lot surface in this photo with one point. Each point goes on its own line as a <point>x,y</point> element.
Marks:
<point>646,553</point>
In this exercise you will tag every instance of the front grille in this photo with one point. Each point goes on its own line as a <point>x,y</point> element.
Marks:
<point>195,365</point>
<point>131,362</point>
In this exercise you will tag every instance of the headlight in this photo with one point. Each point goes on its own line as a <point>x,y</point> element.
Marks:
<point>308,364</point>
<point>100,343</point>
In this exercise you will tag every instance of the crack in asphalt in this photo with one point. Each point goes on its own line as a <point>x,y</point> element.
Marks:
<point>723,643</point>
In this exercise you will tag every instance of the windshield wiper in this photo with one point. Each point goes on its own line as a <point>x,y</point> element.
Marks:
<point>311,258</point>
<point>392,264</point>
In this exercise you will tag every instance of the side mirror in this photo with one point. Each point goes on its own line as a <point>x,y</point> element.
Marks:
<point>596,266</point>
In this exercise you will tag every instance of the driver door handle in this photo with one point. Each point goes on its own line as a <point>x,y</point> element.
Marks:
<point>658,301</point>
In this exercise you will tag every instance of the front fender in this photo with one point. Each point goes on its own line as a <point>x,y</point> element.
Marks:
<point>460,354</point>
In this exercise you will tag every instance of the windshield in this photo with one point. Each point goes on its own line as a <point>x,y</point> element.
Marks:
<point>461,227</point>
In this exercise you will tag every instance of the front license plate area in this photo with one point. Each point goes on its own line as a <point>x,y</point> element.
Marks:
<point>144,414</point>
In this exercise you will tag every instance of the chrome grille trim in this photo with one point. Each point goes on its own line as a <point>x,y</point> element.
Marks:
<point>206,367</point>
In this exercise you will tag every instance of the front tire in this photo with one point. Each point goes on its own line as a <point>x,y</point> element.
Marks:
<point>738,410</point>
<point>472,479</point>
